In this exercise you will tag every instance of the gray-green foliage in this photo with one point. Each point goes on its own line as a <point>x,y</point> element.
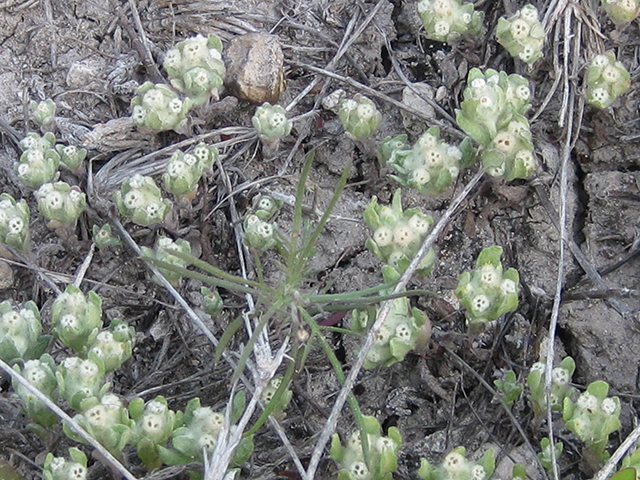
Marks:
<point>162,252</point>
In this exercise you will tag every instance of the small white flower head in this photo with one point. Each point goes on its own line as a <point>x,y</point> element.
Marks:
<point>71,363</point>
<point>70,150</point>
<point>278,118</point>
<point>494,79</point>
<point>560,376</point>
<point>137,181</point>
<point>529,14</point>
<point>215,54</point>
<point>200,77</point>
<point>350,104</point>
<point>600,61</point>
<point>265,230</point>
<point>189,159</point>
<point>588,402</point>
<point>453,463</point>
<point>609,406</point>
<point>489,276</point>
<point>139,115</point>
<point>497,171</point>
<point>132,200</point>
<point>35,156</point>
<point>152,209</point>
<point>508,287</point>
<point>359,471</point>
<point>527,53</point>
<point>365,111</point>
<point>427,141</point>
<point>441,28</point>
<point>201,152</point>
<point>266,203</point>
<point>11,321</point>
<point>478,472</point>
<point>442,8</point>
<point>207,442</point>
<point>516,128</point>
<point>383,236</point>
<point>54,200</point>
<point>172,58</point>
<point>23,169</point>
<point>420,176</point>
<point>69,321</point>
<point>154,99</point>
<point>88,369</point>
<point>505,142</point>
<point>419,224</point>
<point>385,444</point>
<point>527,159</point>
<point>480,303</point>
<point>355,443</point>
<point>424,6</point>
<point>156,408</point>
<point>433,158</point>
<point>454,172</point>
<point>454,153</point>
<point>77,472</point>
<point>466,18</point>
<point>177,168</point>
<point>75,194</point>
<point>382,338</point>
<point>403,235</point>
<point>485,101</point>
<point>538,367</point>
<point>403,333</point>
<point>29,142</point>
<point>478,83</point>
<point>175,106</point>
<point>15,226</point>
<point>600,95</point>
<point>152,423</point>
<point>611,74</point>
<point>520,29</point>
<point>523,92</point>
<point>195,49</point>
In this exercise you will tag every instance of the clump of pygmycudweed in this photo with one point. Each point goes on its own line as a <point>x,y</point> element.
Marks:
<point>162,252</point>
<point>114,346</point>
<point>43,113</point>
<point>488,291</point>
<point>141,201</point>
<point>197,434</point>
<point>271,123</point>
<point>39,162</point>
<point>41,374</point>
<point>492,113</point>
<point>106,420</point>
<point>449,20</point>
<point>104,238</point>
<point>456,467</point>
<point>509,387</point>
<point>61,204</point>
<point>592,418</point>
<point>398,234</point>
<point>560,386</point>
<point>71,157</point>
<point>211,301</point>
<point>20,332</point>
<point>522,35</point>
<point>153,424</point>
<point>59,468</point>
<point>76,319</point>
<point>360,117</point>
<point>404,329</point>
<point>268,394</point>
<point>260,229</point>
<point>79,379</point>
<point>14,223</point>
<point>195,67</point>
<point>621,12</point>
<point>184,170</point>
<point>382,459</point>
<point>157,108</point>
<point>607,79</point>
<point>431,166</point>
